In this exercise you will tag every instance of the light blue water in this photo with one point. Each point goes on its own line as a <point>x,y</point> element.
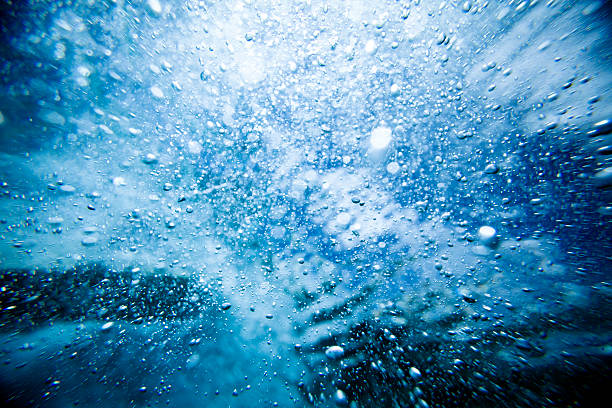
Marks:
<point>303,203</point>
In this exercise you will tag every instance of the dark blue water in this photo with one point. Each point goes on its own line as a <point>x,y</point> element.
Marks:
<point>298,203</point>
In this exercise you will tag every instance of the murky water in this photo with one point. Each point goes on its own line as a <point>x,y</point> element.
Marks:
<point>305,203</point>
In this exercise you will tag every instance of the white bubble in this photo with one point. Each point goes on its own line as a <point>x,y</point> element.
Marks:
<point>380,137</point>
<point>84,71</point>
<point>371,47</point>
<point>154,6</point>
<point>393,167</point>
<point>55,221</point>
<point>150,158</point>
<point>52,117</point>
<point>194,147</point>
<point>157,92</point>
<point>192,361</point>
<point>340,398</point>
<point>89,240</point>
<point>67,189</point>
<point>395,90</point>
<point>106,130</point>
<point>92,229</point>
<point>603,178</point>
<point>252,68</point>
<point>334,352</point>
<point>107,326</point>
<point>119,181</point>
<point>278,232</point>
<point>343,218</point>
<point>487,235</point>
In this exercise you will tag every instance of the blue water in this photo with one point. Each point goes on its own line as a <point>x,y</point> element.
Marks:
<point>299,203</point>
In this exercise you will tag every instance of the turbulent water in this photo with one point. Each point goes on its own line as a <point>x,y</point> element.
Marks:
<point>305,203</point>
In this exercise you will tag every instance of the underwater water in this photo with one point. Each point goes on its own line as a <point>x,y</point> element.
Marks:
<point>305,203</point>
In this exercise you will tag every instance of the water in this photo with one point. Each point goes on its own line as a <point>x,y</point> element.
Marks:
<point>305,204</point>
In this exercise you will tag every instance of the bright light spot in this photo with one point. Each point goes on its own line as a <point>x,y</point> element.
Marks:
<point>381,137</point>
